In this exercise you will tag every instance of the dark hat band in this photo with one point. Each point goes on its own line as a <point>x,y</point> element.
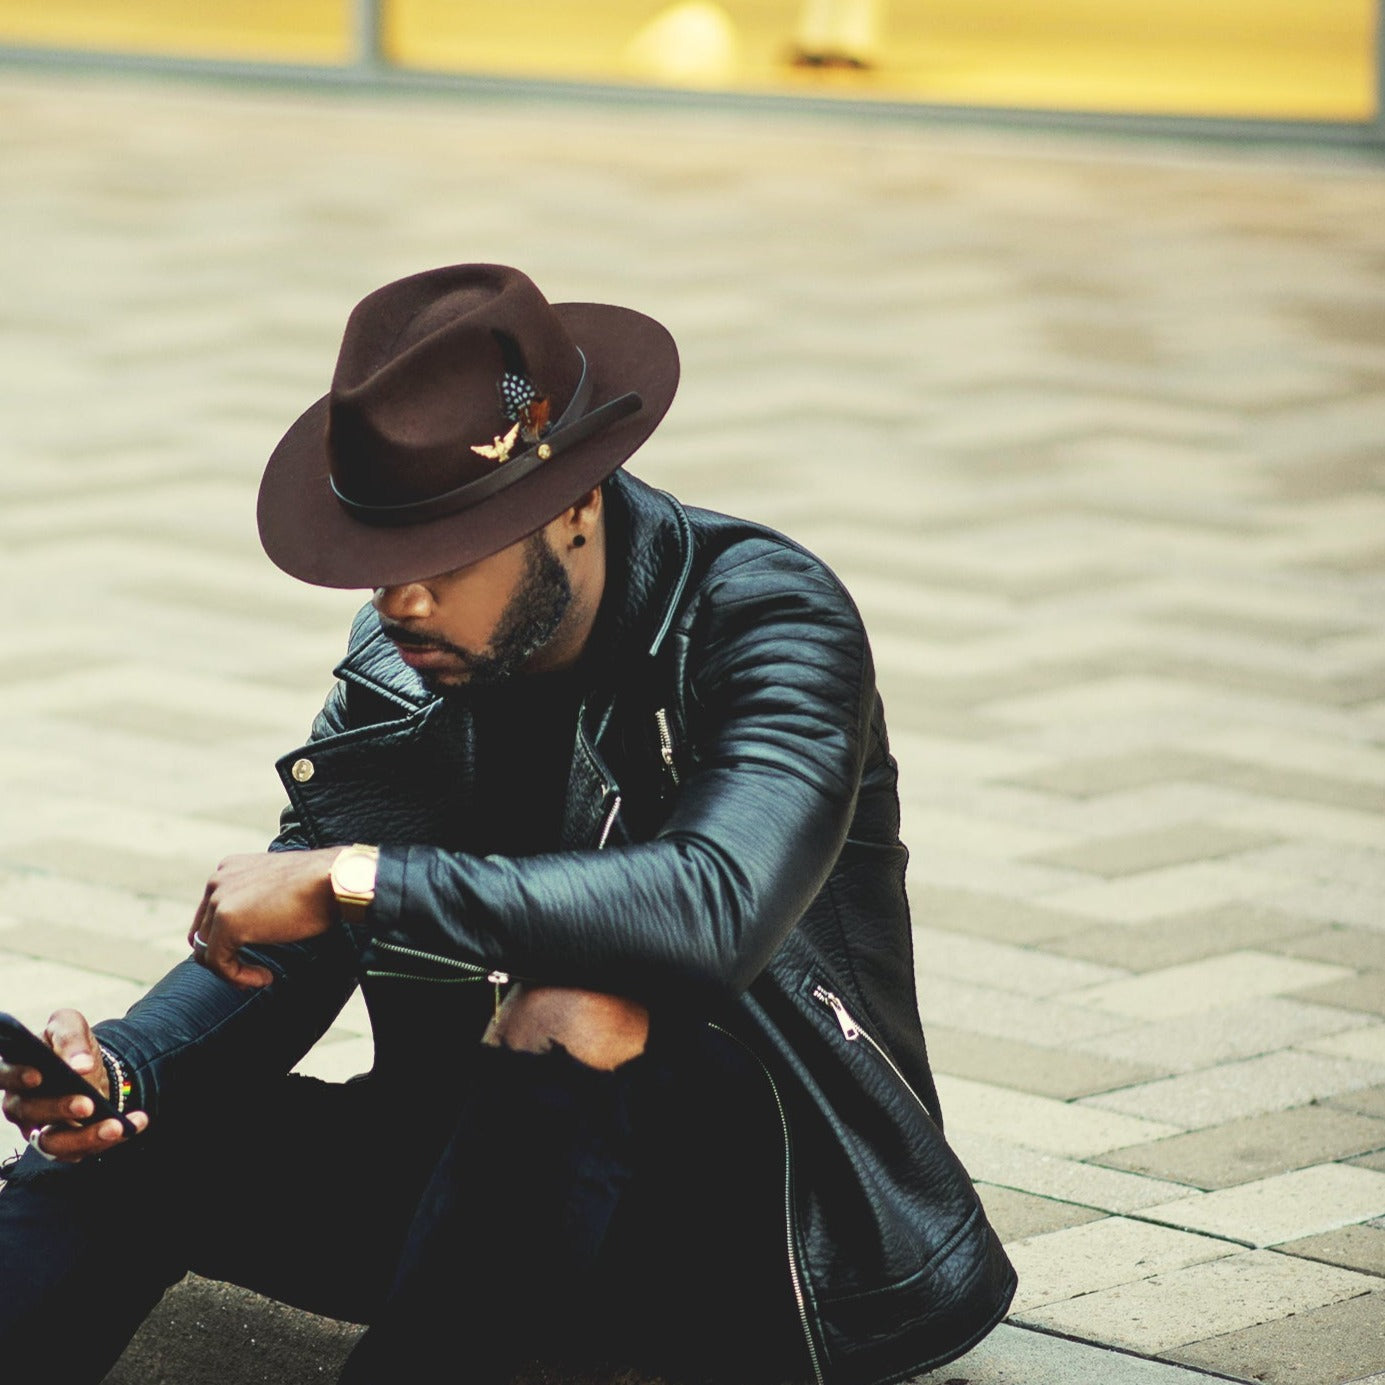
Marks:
<point>573,427</point>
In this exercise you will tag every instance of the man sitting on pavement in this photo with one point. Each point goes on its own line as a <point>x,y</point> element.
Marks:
<point>601,815</point>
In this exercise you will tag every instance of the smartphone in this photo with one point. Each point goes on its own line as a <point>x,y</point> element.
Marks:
<point>23,1047</point>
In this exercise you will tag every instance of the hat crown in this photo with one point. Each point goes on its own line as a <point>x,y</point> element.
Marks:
<point>417,381</point>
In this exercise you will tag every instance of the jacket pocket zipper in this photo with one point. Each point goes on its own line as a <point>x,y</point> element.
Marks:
<point>666,744</point>
<point>610,822</point>
<point>795,1275</point>
<point>480,973</point>
<point>852,1033</point>
<point>473,972</point>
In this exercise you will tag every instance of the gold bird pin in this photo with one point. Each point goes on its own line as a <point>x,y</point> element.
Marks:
<point>498,449</point>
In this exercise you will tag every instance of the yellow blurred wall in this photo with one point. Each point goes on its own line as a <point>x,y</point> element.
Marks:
<point>1283,59</point>
<point>300,31</point>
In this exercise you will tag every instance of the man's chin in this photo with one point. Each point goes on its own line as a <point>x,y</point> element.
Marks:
<point>444,683</point>
<point>456,682</point>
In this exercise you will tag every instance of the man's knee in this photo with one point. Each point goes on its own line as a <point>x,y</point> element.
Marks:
<point>602,1031</point>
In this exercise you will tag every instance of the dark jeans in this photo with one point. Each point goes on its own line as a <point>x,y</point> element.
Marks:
<point>545,1211</point>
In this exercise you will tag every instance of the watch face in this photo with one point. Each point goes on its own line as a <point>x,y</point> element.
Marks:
<point>355,875</point>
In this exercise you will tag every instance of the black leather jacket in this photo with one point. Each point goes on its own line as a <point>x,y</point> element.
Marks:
<point>730,849</point>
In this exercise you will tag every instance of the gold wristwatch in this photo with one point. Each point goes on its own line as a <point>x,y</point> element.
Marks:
<point>353,880</point>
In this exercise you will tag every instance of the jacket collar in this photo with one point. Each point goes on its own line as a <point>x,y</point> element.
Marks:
<point>649,560</point>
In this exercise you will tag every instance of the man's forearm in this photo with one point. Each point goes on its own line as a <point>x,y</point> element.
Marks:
<point>194,1032</point>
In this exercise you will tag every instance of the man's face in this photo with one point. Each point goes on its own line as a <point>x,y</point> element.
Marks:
<point>479,624</point>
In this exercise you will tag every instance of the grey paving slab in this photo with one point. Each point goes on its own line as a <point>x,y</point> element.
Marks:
<point>1016,1215</point>
<point>1191,841</point>
<point>1323,1346</point>
<point>1360,1247</point>
<point>1365,991</point>
<point>992,916</point>
<point>1168,942</point>
<point>1353,947</point>
<point>1242,1151</point>
<point>1013,1356</point>
<point>1111,773</point>
<point>1368,1101</point>
<point>1051,1072</point>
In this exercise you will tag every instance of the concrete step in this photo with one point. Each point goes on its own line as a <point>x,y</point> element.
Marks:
<point>205,1333</point>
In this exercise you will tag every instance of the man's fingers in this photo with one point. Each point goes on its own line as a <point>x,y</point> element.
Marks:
<point>29,1111</point>
<point>16,1078</point>
<point>70,1145</point>
<point>70,1037</point>
<point>224,959</point>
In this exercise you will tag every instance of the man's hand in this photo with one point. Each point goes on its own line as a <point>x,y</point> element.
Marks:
<point>70,1037</point>
<point>271,897</point>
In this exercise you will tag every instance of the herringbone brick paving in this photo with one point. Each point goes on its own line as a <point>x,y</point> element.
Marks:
<point>1094,432</point>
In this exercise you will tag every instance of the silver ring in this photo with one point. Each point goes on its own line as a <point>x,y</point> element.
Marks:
<point>199,943</point>
<point>35,1135</point>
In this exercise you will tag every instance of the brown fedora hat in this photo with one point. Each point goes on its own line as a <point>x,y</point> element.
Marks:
<point>465,412</point>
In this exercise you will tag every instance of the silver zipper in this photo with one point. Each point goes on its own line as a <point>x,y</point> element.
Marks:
<point>474,973</point>
<point>433,957</point>
<point>852,1031</point>
<point>794,1275</point>
<point>666,744</point>
<point>609,823</point>
<point>430,980</point>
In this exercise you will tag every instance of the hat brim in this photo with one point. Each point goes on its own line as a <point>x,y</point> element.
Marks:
<point>308,533</point>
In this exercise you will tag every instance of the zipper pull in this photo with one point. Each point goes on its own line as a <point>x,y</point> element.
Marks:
<point>666,744</point>
<point>850,1029</point>
<point>498,979</point>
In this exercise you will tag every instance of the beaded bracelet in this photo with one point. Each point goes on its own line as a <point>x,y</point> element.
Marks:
<point>115,1073</point>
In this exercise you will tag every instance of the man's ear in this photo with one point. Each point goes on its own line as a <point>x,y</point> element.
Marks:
<point>590,507</point>
<point>583,519</point>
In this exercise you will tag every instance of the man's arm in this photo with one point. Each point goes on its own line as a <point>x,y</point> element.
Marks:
<point>781,672</point>
<point>781,669</point>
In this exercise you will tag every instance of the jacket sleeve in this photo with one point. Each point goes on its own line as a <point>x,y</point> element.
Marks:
<point>194,1033</point>
<point>780,672</point>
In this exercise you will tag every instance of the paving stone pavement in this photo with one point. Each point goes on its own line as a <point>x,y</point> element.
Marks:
<point>1094,431</point>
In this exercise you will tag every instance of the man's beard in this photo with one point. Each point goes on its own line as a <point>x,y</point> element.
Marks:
<point>530,619</point>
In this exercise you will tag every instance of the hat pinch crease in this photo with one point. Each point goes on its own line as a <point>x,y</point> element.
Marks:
<point>464,497</point>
